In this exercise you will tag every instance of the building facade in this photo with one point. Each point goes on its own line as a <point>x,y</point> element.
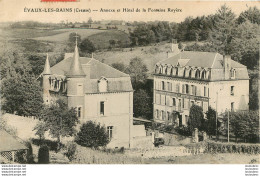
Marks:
<point>200,78</point>
<point>99,93</point>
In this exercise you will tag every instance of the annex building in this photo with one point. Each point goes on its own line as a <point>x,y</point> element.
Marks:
<point>201,78</point>
<point>99,93</point>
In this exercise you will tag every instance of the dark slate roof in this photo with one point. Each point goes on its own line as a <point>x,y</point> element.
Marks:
<point>9,143</point>
<point>114,85</point>
<point>97,68</point>
<point>199,59</point>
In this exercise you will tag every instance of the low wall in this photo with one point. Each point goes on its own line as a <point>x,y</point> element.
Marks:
<point>173,139</point>
<point>143,142</point>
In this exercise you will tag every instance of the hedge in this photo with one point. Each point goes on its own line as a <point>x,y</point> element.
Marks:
<point>217,147</point>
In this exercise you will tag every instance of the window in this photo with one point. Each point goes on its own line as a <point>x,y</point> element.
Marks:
<point>192,90</point>
<point>79,89</point>
<point>233,73</point>
<point>102,108</point>
<point>157,114</point>
<point>102,84</point>
<point>110,132</point>
<point>232,90</point>
<point>205,91</point>
<point>182,102</point>
<point>163,115</point>
<point>79,112</point>
<point>178,88</point>
<point>232,106</point>
<point>163,85</point>
<point>173,102</point>
<point>187,88</point>
<point>168,116</point>
<point>169,85</point>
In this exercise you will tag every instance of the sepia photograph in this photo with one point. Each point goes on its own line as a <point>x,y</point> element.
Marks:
<point>129,82</point>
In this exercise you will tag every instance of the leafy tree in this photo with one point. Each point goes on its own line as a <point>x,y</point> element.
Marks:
<point>87,46</point>
<point>142,104</point>
<point>119,66</point>
<point>112,43</point>
<point>245,125</point>
<point>59,120</point>
<point>92,135</point>
<point>196,118</point>
<point>22,95</point>
<point>252,14</point>
<point>244,45</point>
<point>37,63</point>
<point>138,72</point>
<point>209,124</point>
<point>224,23</point>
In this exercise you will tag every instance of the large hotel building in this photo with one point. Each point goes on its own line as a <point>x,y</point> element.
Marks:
<point>201,78</point>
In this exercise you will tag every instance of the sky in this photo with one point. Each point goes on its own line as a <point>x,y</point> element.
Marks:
<point>13,10</point>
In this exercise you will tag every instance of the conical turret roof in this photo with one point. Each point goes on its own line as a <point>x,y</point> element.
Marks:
<point>75,67</point>
<point>47,68</point>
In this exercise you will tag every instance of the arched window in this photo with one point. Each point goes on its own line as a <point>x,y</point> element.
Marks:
<point>203,75</point>
<point>190,73</point>
<point>197,74</point>
<point>233,73</point>
<point>102,84</point>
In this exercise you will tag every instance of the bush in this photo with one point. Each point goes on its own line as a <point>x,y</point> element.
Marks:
<point>71,149</point>
<point>29,156</point>
<point>53,145</point>
<point>43,155</point>
<point>184,130</point>
<point>92,135</point>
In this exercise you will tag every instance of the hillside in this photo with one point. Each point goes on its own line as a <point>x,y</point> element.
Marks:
<point>101,40</point>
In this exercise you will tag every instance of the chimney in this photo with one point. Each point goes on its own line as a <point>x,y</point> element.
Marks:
<point>86,70</point>
<point>227,66</point>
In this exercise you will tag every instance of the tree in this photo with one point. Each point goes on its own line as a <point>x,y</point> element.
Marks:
<point>209,124</point>
<point>59,120</point>
<point>22,95</point>
<point>138,72</point>
<point>245,125</point>
<point>119,66</point>
<point>87,46</point>
<point>244,45</point>
<point>196,118</point>
<point>252,14</point>
<point>92,135</point>
<point>142,104</point>
<point>224,23</point>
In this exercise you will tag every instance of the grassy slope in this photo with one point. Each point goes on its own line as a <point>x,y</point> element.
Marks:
<point>101,40</point>
<point>149,54</point>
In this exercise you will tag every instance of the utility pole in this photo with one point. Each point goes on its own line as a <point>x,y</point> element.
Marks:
<point>216,117</point>
<point>228,125</point>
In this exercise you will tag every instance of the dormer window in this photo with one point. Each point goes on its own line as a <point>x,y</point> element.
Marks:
<point>102,84</point>
<point>233,73</point>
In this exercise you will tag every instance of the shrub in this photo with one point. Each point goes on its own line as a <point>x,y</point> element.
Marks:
<point>71,149</point>
<point>53,145</point>
<point>43,155</point>
<point>184,130</point>
<point>92,135</point>
<point>29,156</point>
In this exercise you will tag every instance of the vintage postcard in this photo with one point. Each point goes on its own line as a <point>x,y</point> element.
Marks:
<point>129,82</point>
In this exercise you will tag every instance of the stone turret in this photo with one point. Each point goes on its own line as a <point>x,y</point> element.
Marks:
<point>75,68</point>
<point>45,82</point>
<point>76,78</point>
